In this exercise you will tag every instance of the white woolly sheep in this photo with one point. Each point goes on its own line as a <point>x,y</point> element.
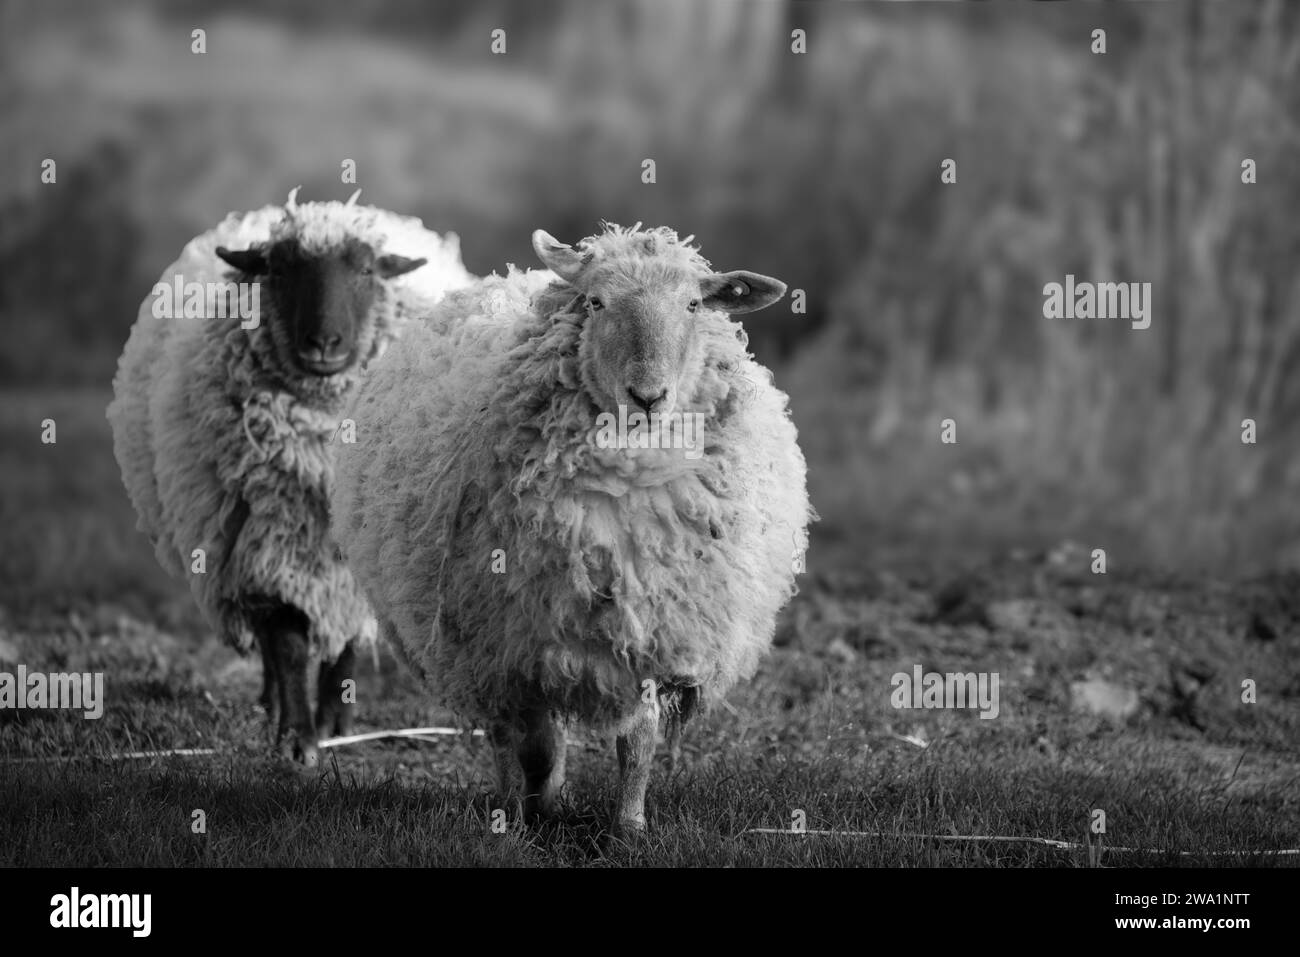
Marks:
<point>226,418</point>
<point>531,566</point>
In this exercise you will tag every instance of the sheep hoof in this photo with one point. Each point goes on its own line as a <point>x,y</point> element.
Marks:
<point>338,724</point>
<point>301,751</point>
<point>630,830</point>
<point>536,810</point>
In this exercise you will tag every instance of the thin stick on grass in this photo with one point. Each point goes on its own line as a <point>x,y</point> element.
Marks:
<point>1004,839</point>
<point>418,734</point>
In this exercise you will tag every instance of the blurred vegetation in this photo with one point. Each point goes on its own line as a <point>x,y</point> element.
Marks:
<point>924,300</point>
<point>1131,440</point>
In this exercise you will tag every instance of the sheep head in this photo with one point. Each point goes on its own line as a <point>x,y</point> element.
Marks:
<point>645,293</point>
<point>320,302</point>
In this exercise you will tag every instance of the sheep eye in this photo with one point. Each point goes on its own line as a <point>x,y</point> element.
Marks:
<point>596,304</point>
<point>692,305</point>
<point>367,270</point>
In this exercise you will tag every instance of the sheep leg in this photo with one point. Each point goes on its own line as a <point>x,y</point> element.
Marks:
<point>673,732</point>
<point>297,731</point>
<point>542,753</point>
<point>675,724</point>
<point>334,714</point>
<point>636,751</point>
<point>505,751</point>
<point>270,698</point>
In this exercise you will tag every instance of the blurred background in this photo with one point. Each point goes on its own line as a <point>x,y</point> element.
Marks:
<point>924,300</point>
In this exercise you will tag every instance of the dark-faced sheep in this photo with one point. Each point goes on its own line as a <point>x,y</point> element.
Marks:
<point>227,415</point>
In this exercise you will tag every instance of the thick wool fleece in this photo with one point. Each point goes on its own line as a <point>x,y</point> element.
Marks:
<point>223,450</point>
<point>515,563</point>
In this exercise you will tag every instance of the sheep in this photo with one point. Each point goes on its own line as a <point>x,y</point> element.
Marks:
<point>226,418</point>
<point>533,570</point>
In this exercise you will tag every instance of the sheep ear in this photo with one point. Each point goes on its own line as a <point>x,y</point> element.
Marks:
<point>251,261</point>
<point>391,265</point>
<point>564,261</point>
<point>740,291</point>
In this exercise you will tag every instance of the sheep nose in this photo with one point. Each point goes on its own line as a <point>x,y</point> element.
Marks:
<point>647,402</point>
<point>325,347</point>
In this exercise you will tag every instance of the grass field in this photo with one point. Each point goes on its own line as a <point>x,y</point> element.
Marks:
<point>1191,776</point>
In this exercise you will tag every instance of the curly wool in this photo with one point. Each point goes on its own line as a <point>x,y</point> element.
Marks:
<point>223,449</point>
<point>476,450</point>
